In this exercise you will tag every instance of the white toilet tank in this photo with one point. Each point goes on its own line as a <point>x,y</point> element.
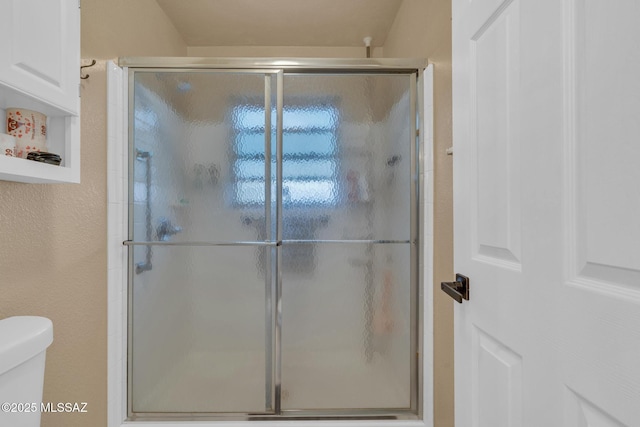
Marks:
<point>23,343</point>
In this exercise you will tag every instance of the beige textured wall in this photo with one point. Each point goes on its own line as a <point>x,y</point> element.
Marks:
<point>113,28</point>
<point>53,258</point>
<point>284,51</point>
<point>423,29</point>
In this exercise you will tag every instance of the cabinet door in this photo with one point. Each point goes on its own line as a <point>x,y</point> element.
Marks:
<point>40,50</point>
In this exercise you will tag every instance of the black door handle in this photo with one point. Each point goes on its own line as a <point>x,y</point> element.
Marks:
<point>457,290</point>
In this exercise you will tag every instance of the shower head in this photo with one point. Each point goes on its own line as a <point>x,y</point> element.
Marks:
<point>393,160</point>
<point>183,87</point>
<point>140,155</point>
<point>367,44</point>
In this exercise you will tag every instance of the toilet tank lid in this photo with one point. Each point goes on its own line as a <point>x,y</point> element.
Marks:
<point>21,338</point>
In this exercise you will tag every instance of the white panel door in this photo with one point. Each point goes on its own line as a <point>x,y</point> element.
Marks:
<point>40,50</point>
<point>546,103</point>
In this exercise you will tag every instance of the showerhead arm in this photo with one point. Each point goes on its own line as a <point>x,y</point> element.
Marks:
<point>141,155</point>
<point>367,43</point>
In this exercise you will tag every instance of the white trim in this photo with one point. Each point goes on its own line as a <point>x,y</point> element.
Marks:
<point>117,268</point>
<point>427,262</point>
<point>116,251</point>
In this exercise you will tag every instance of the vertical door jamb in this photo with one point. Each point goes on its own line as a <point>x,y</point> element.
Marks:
<point>413,277</point>
<point>278,293</point>
<point>271,357</point>
<point>130,200</point>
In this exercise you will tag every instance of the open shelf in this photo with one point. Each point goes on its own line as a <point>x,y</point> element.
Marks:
<point>63,138</point>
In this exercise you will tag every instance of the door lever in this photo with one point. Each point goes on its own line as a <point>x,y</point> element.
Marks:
<point>457,290</point>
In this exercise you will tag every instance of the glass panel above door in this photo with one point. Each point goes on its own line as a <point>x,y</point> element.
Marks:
<point>204,133</point>
<point>346,157</point>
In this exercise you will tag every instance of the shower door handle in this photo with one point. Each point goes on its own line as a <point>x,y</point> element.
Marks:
<point>457,290</point>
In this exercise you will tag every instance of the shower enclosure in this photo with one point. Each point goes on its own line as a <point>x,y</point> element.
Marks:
<point>274,206</point>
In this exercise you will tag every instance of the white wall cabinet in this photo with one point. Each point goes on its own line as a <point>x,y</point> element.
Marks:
<point>39,70</point>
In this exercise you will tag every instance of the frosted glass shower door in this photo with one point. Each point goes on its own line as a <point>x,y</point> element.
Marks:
<point>348,233</point>
<point>272,231</point>
<point>201,317</point>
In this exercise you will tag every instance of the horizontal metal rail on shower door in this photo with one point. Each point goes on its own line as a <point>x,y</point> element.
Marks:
<point>158,243</point>
<point>276,243</point>
<point>351,242</point>
<point>347,65</point>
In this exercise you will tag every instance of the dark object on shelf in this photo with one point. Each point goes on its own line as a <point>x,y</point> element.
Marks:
<point>44,157</point>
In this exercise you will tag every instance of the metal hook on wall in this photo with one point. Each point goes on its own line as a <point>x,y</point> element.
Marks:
<point>93,62</point>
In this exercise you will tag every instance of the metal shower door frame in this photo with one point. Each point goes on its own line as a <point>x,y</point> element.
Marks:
<point>413,68</point>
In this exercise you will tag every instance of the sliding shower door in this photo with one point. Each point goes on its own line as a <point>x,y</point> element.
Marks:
<point>273,238</point>
<point>201,278</point>
<point>346,241</point>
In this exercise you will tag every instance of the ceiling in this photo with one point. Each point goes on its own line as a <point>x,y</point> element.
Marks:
<point>281,22</point>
